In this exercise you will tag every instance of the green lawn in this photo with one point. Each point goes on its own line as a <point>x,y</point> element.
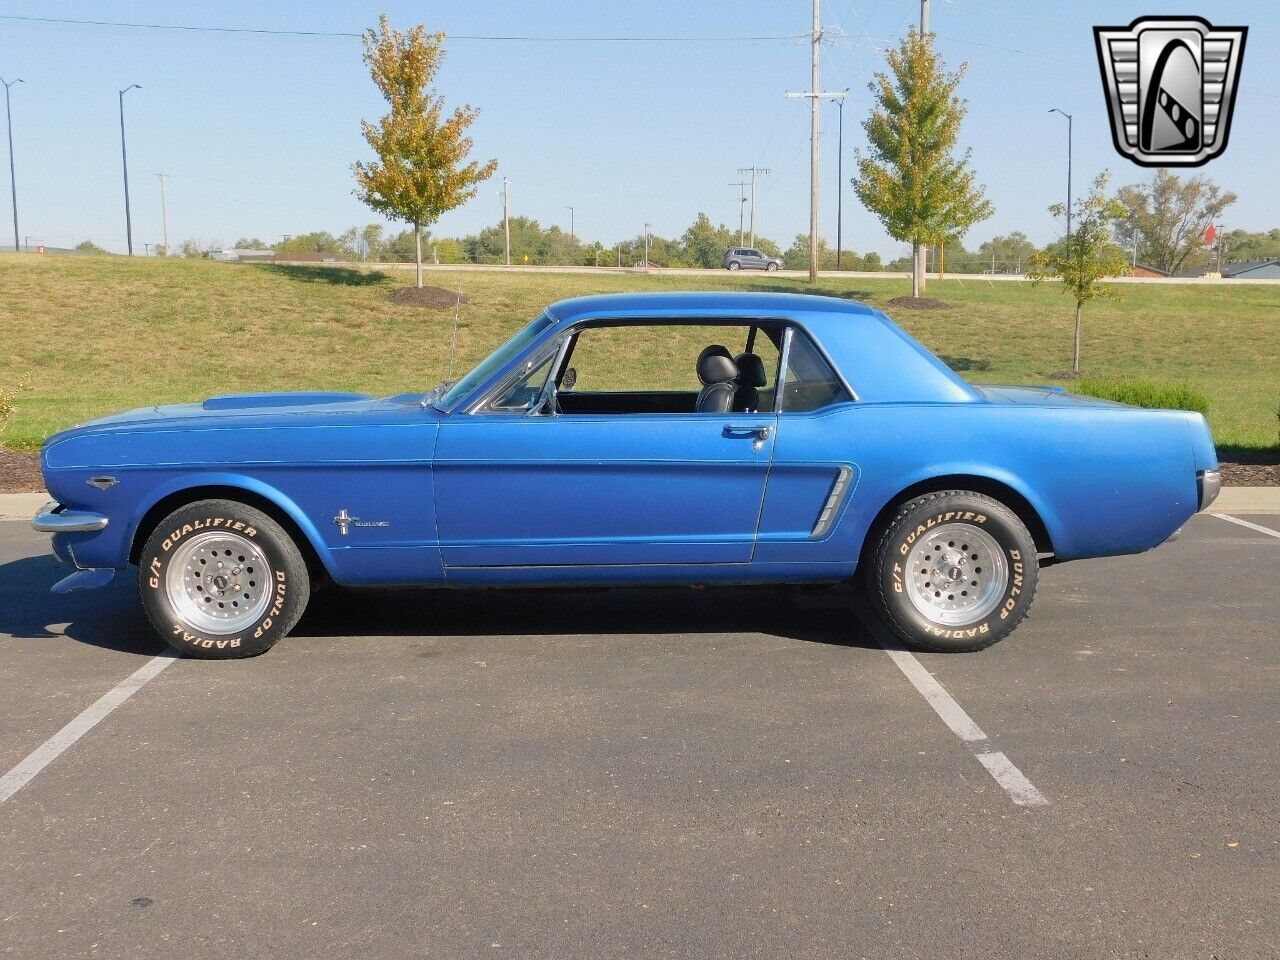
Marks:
<point>91,335</point>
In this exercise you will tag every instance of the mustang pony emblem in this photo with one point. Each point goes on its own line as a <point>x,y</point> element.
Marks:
<point>345,520</point>
<point>1171,87</point>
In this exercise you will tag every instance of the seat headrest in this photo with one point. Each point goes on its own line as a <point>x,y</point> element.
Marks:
<point>716,368</point>
<point>715,350</point>
<point>750,370</point>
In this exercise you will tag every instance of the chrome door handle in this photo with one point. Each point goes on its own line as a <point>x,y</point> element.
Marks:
<point>759,433</point>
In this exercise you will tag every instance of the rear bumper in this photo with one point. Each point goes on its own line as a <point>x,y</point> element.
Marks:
<point>1209,485</point>
<point>53,517</point>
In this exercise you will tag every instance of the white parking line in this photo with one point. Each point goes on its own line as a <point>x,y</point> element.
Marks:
<point>1012,780</point>
<point>1246,523</point>
<point>51,749</point>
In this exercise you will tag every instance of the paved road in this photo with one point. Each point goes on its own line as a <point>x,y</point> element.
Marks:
<point>718,773</point>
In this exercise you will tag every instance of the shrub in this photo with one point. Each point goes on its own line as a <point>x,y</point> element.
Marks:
<point>6,407</point>
<point>1144,393</point>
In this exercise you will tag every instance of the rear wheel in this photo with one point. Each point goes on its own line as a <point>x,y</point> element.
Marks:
<point>954,571</point>
<point>734,265</point>
<point>222,579</point>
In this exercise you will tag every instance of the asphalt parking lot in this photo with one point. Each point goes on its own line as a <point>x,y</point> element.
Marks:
<point>692,773</point>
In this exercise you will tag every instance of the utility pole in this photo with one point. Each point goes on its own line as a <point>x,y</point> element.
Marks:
<point>646,245</point>
<point>506,224</point>
<point>924,18</point>
<point>572,236</point>
<point>742,211</point>
<point>164,211</point>
<point>13,179</point>
<point>124,162</point>
<point>840,182</point>
<point>814,94</point>
<point>753,171</point>
<point>1068,116</point>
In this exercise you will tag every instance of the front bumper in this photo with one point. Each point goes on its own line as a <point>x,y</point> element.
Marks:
<point>53,517</point>
<point>1209,485</point>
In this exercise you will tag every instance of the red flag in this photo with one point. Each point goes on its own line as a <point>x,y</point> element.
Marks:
<point>1210,235</point>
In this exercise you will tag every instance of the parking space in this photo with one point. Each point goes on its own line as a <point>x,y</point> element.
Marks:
<point>734,772</point>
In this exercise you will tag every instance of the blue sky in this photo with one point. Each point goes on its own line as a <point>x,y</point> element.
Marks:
<point>258,133</point>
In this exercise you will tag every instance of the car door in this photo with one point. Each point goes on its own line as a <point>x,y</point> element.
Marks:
<point>753,259</point>
<point>515,488</point>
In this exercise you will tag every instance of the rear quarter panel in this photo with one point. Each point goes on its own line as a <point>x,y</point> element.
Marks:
<point>1104,481</point>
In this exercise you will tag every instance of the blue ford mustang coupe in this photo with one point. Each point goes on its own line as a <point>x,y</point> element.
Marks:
<point>741,438</point>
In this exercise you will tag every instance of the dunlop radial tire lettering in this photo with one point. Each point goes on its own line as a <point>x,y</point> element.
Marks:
<point>886,580</point>
<point>220,579</point>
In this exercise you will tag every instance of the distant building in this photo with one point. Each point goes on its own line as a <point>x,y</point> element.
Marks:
<point>1242,270</point>
<point>1142,270</point>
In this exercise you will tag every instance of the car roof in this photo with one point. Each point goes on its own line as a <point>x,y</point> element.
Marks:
<point>704,303</point>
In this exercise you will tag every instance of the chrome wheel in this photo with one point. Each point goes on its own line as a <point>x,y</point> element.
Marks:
<point>219,582</point>
<point>956,574</point>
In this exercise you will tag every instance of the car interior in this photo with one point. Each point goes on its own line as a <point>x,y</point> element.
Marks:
<point>673,368</point>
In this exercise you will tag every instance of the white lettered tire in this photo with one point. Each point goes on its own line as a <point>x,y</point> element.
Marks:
<point>221,579</point>
<point>954,571</point>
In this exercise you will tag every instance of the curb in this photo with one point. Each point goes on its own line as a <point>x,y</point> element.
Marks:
<point>1247,500</point>
<point>22,506</point>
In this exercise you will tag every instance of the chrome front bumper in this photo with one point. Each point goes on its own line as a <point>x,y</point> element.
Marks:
<point>53,517</point>
<point>1209,483</point>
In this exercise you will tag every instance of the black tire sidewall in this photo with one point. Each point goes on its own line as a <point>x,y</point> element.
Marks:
<point>982,513</point>
<point>290,586</point>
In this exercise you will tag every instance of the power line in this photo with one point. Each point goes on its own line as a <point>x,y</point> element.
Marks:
<point>343,34</point>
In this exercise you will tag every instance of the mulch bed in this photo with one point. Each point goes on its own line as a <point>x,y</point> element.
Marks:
<point>1252,474</point>
<point>919,303</point>
<point>432,298</point>
<point>19,471</point>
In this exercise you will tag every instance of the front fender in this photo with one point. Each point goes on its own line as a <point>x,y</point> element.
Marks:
<point>195,481</point>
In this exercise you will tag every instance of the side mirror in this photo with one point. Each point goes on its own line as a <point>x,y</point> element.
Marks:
<point>569,379</point>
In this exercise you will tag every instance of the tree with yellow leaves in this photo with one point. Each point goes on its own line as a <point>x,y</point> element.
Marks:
<point>422,169</point>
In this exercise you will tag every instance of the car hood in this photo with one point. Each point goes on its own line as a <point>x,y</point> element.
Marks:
<point>256,408</point>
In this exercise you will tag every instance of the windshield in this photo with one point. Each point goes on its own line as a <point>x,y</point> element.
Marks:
<point>494,362</point>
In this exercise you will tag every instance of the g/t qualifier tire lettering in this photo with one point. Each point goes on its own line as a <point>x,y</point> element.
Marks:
<point>287,580</point>
<point>958,509</point>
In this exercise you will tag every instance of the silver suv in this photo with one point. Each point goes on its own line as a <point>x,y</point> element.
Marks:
<point>747,258</point>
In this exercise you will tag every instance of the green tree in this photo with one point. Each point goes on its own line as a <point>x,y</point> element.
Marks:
<point>321,241</point>
<point>704,243</point>
<point>910,177</point>
<point>1011,251</point>
<point>422,170</point>
<point>88,246</point>
<point>1246,245</point>
<point>250,243</point>
<point>1169,216</point>
<point>1086,256</point>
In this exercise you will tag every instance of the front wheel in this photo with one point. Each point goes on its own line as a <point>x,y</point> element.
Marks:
<point>221,579</point>
<point>954,571</point>
<point>772,267</point>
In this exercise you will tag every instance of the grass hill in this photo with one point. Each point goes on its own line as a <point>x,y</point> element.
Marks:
<point>90,335</point>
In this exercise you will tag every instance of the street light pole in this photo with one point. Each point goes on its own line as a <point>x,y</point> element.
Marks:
<point>124,162</point>
<point>13,180</point>
<point>572,235</point>
<point>1068,116</point>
